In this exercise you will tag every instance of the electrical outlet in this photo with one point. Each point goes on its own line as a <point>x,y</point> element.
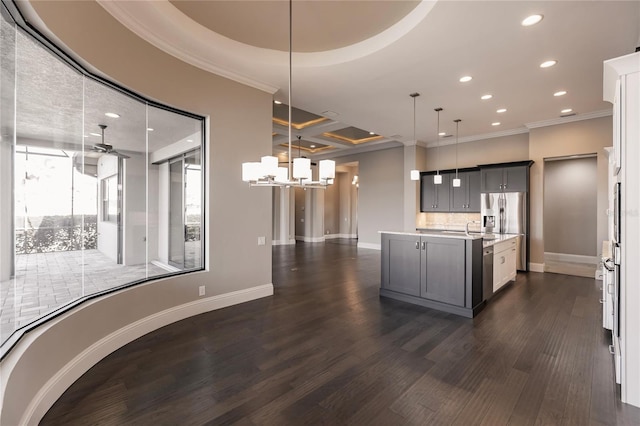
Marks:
<point>201,290</point>
<point>262,241</point>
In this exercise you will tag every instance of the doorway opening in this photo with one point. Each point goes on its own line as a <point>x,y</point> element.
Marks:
<point>570,215</point>
<point>185,211</point>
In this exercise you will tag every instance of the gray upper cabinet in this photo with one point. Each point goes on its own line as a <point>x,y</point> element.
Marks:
<point>466,197</point>
<point>434,198</point>
<point>505,179</point>
<point>515,179</point>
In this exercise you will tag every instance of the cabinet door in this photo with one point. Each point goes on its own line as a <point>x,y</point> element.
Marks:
<point>510,265</point>
<point>499,261</point>
<point>445,274</point>
<point>401,263</point>
<point>460,195</point>
<point>515,179</point>
<point>474,192</point>
<point>442,194</point>
<point>491,180</point>
<point>427,194</point>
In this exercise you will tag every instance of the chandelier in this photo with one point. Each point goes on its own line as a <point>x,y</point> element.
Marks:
<point>298,172</point>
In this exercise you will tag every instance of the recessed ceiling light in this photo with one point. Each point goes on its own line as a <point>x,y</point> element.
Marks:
<point>442,133</point>
<point>312,146</point>
<point>547,64</point>
<point>560,93</point>
<point>277,102</point>
<point>372,133</point>
<point>465,79</point>
<point>485,97</point>
<point>150,129</point>
<point>95,134</point>
<point>112,114</point>
<point>496,123</point>
<point>501,110</point>
<point>531,20</point>
<point>566,110</point>
<point>189,140</point>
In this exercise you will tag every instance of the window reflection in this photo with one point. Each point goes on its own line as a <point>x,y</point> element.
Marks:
<point>98,200</point>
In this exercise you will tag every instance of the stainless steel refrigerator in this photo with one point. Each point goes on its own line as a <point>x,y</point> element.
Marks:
<point>507,213</point>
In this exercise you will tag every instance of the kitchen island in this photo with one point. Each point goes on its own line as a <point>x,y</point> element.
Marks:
<point>441,270</point>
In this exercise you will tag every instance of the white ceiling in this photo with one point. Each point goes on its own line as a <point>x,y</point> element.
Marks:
<point>427,50</point>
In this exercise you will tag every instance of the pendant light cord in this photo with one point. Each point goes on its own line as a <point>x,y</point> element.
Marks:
<point>457,123</point>
<point>438,142</point>
<point>414,119</point>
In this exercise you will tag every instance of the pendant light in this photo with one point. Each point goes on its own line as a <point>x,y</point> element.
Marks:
<point>456,181</point>
<point>437,178</point>
<point>415,174</point>
<point>298,173</point>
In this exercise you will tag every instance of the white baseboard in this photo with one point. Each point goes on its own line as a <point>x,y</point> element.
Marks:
<point>310,239</point>
<point>64,378</point>
<point>285,243</point>
<point>332,236</point>
<point>536,267</point>
<point>370,246</point>
<point>573,258</point>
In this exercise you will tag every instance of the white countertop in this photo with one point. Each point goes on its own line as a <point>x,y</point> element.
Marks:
<point>491,239</point>
<point>440,234</point>
<point>488,239</point>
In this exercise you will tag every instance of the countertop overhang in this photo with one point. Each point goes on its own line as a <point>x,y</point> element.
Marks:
<point>488,240</point>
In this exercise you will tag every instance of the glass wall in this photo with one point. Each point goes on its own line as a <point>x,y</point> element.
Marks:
<point>100,189</point>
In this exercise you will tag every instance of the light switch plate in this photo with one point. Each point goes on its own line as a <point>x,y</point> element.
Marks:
<point>261,241</point>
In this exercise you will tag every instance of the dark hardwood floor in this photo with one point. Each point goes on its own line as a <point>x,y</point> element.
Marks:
<point>326,349</point>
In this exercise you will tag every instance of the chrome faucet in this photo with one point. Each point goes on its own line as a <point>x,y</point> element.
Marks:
<point>466,227</point>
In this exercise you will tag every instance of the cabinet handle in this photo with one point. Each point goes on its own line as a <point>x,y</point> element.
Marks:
<point>601,301</point>
<point>612,350</point>
<point>424,245</point>
<point>417,245</point>
<point>502,260</point>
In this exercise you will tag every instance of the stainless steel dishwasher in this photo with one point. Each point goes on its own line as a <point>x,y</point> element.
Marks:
<point>487,272</point>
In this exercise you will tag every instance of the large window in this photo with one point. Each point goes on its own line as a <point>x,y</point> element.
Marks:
<point>99,189</point>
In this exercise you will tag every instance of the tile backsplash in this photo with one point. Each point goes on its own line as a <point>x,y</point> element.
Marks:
<point>452,221</point>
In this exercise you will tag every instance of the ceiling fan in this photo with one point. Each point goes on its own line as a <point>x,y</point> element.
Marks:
<point>105,148</point>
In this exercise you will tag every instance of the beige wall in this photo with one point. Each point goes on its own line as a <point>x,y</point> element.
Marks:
<point>570,206</point>
<point>579,137</point>
<point>239,131</point>
<point>470,154</point>
<point>381,192</point>
<point>349,204</point>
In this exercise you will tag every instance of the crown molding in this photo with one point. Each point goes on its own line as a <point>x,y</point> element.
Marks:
<point>563,120</point>
<point>473,138</point>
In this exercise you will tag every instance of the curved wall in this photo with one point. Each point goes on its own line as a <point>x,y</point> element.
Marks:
<point>49,359</point>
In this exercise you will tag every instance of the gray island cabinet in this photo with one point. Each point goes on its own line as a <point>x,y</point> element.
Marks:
<point>437,271</point>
